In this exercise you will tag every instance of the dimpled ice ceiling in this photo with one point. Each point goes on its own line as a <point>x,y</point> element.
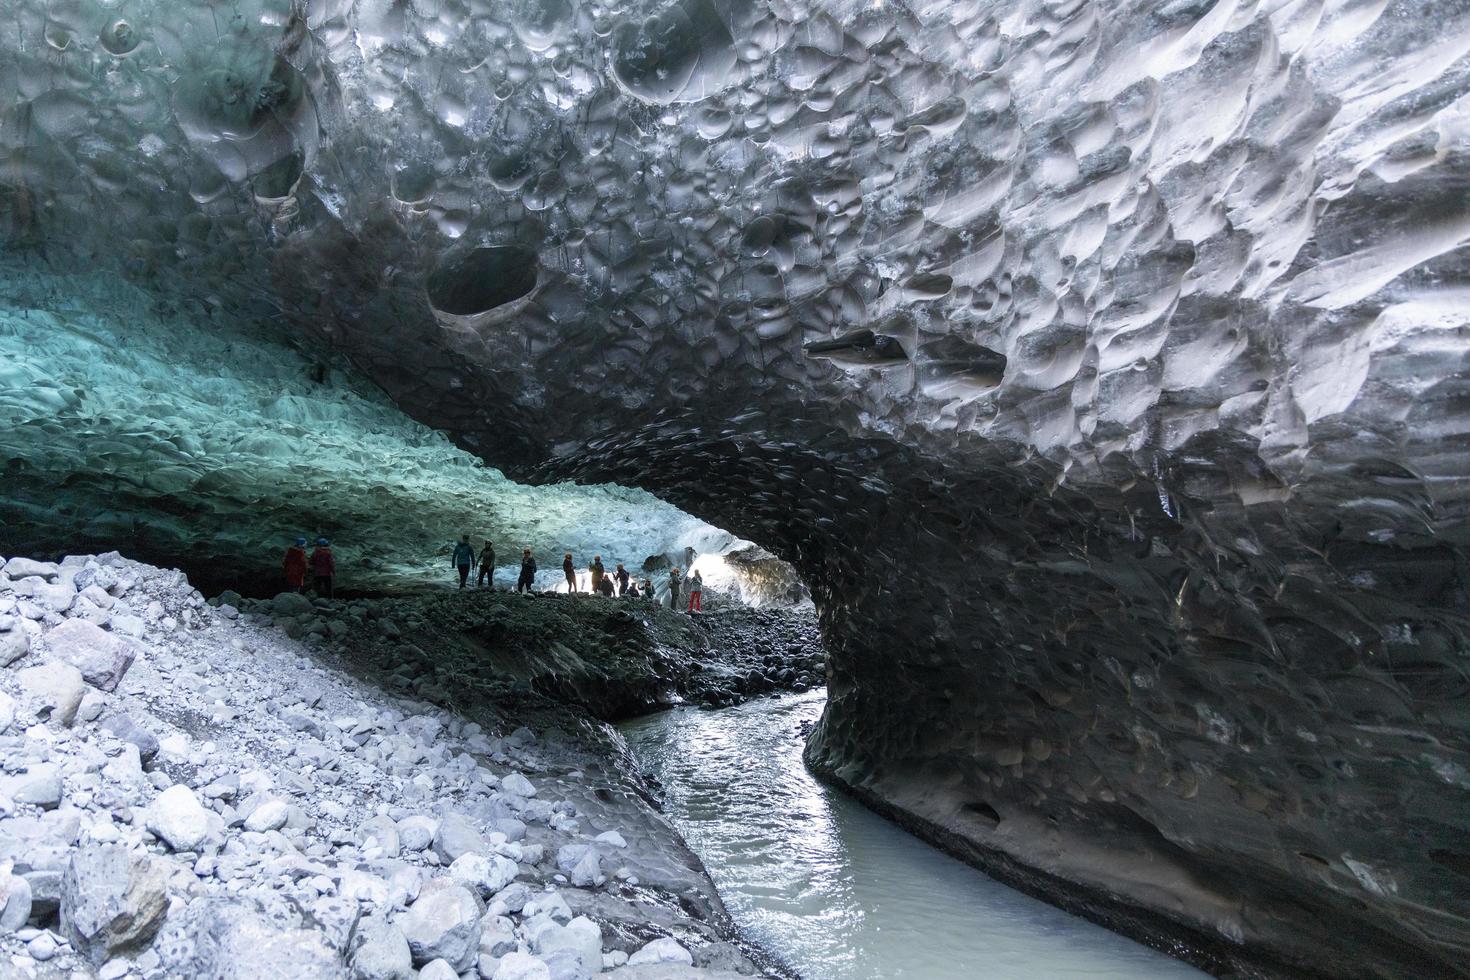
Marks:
<point>1100,365</point>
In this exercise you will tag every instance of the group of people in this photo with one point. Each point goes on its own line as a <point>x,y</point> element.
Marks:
<point>322,565</point>
<point>464,559</point>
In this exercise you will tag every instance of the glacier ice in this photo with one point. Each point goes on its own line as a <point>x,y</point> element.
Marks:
<point>1136,517</point>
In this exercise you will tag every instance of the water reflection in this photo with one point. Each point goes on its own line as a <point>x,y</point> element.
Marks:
<point>840,893</point>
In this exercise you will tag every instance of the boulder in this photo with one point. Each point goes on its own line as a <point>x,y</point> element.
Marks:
<point>456,835</point>
<point>517,785</point>
<point>56,688</point>
<point>177,818</point>
<point>521,966</point>
<point>112,901</point>
<point>15,901</point>
<point>443,924</point>
<point>244,938</point>
<point>102,657</point>
<point>19,568</point>
<point>485,874</point>
<point>291,604</point>
<point>270,815</point>
<point>416,832</point>
<point>37,785</point>
<point>665,950</point>
<point>581,937</point>
<point>125,728</point>
<point>13,645</point>
<point>438,970</point>
<point>580,863</point>
<point>381,952</point>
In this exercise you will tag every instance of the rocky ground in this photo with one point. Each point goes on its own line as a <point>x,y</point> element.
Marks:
<point>615,657</point>
<point>373,789</point>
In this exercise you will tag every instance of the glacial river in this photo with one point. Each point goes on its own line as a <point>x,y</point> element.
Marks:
<point>839,893</point>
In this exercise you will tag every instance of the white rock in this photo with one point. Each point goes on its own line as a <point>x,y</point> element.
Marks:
<point>443,923</point>
<point>177,817</point>
<point>382,953</point>
<point>103,658</point>
<point>517,785</point>
<point>665,950</point>
<point>57,689</point>
<point>612,837</point>
<point>487,875</point>
<point>521,966</point>
<point>417,832</point>
<point>438,970</point>
<point>581,937</point>
<point>270,815</point>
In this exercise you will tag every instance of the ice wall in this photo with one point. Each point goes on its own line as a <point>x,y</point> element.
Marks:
<point>131,422</point>
<point>1101,367</point>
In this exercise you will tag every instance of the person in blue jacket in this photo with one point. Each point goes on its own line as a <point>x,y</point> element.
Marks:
<point>464,559</point>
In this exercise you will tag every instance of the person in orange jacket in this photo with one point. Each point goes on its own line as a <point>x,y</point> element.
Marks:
<point>295,566</point>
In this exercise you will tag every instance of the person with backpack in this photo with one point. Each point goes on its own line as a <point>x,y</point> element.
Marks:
<point>294,565</point>
<point>605,587</point>
<point>674,589</point>
<point>696,589</point>
<point>463,559</point>
<point>528,572</point>
<point>597,572</point>
<point>487,567</point>
<point>323,568</point>
<point>621,577</point>
<point>570,571</point>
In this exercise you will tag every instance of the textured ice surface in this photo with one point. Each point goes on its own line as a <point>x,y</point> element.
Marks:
<point>127,421</point>
<point>1101,366</point>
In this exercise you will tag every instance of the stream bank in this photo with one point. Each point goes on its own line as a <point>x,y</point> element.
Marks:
<point>190,789</point>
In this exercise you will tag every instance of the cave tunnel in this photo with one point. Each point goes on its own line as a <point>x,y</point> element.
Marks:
<point>1100,373</point>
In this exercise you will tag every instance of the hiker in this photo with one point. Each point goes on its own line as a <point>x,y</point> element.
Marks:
<point>621,575</point>
<point>674,589</point>
<point>597,573</point>
<point>570,571</point>
<point>632,591</point>
<point>696,588</point>
<point>323,568</point>
<point>487,567</point>
<point>528,571</point>
<point>605,586</point>
<point>463,559</point>
<point>648,592</point>
<point>295,566</point>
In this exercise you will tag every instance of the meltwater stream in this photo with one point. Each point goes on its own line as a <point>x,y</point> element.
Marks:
<point>836,891</point>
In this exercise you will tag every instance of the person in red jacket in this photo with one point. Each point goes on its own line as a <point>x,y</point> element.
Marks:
<point>295,566</point>
<point>323,568</point>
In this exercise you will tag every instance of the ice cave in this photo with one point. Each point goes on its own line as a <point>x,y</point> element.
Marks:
<point>1066,405</point>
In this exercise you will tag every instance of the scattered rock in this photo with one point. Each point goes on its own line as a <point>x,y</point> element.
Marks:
<point>244,938</point>
<point>665,950</point>
<point>382,953</point>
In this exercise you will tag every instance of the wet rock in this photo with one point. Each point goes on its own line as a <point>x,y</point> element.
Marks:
<point>112,901</point>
